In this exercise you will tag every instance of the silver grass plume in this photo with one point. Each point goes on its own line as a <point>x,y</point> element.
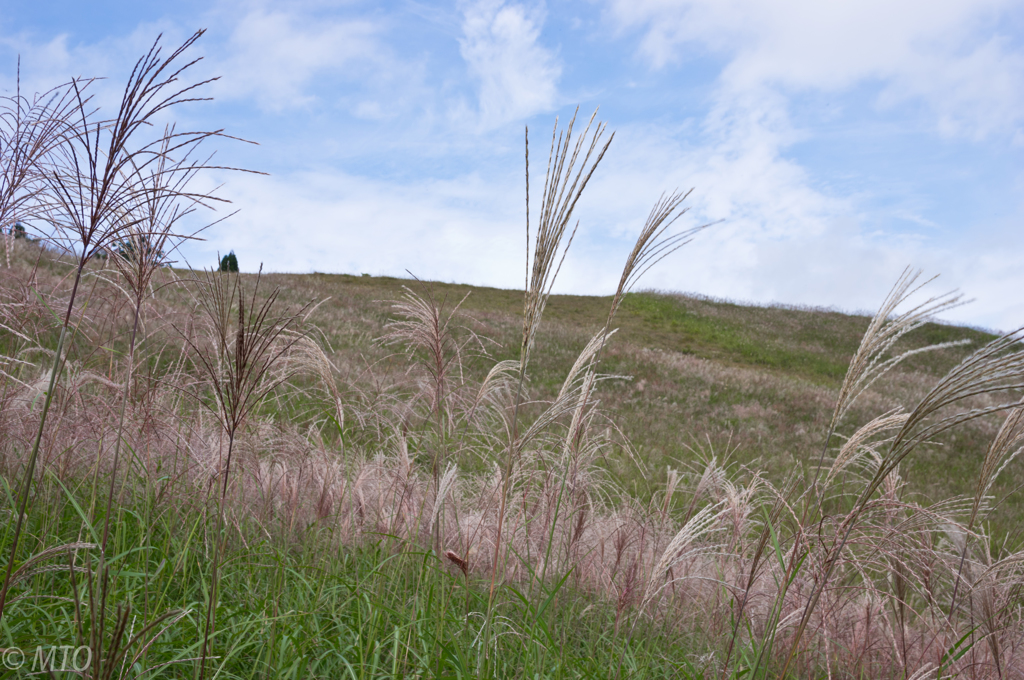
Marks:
<point>869,364</point>
<point>998,367</point>
<point>681,546</point>
<point>564,182</point>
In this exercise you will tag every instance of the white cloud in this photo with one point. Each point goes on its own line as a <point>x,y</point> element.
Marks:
<point>950,54</point>
<point>461,229</point>
<point>275,56</point>
<point>784,240</point>
<point>53,61</point>
<point>517,76</point>
<point>780,240</point>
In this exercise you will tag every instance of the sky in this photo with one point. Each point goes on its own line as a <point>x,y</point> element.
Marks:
<point>833,144</point>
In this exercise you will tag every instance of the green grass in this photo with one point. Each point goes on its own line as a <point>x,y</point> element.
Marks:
<point>309,608</point>
<point>664,322</point>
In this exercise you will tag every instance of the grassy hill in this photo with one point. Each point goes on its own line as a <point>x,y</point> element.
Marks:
<point>358,528</point>
<point>754,385</point>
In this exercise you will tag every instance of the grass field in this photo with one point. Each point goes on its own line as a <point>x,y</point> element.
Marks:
<point>330,567</point>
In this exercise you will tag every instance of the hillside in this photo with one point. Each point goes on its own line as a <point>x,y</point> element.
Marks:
<point>751,385</point>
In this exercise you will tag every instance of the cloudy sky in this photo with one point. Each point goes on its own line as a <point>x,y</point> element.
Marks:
<point>838,142</point>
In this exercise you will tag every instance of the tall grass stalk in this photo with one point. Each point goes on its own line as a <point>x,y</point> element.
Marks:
<point>142,249</point>
<point>237,369</point>
<point>998,367</point>
<point>29,132</point>
<point>425,326</point>
<point>564,183</point>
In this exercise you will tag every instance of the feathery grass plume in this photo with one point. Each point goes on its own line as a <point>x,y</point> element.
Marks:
<point>30,129</point>
<point>582,378</point>
<point>90,179</point>
<point>564,183</point>
<point>923,672</point>
<point>671,482</point>
<point>857,444</point>
<point>429,334</point>
<point>237,370</point>
<point>499,379</point>
<point>886,328</point>
<point>29,568</point>
<point>579,369</point>
<point>426,327</point>
<point>1004,449</point>
<point>702,523</point>
<point>309,357</point>
<point>653,244</point>
<point>739,504</point>
<point>1006,446</point>
<point>447,481</point>
<point>996,367</point>
<point>572,482</point>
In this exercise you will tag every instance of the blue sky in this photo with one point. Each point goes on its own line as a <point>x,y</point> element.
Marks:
<point>837,142</point>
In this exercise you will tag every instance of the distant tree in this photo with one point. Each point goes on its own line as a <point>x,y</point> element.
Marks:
<point>19,230</point>
<point>229,263</point>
